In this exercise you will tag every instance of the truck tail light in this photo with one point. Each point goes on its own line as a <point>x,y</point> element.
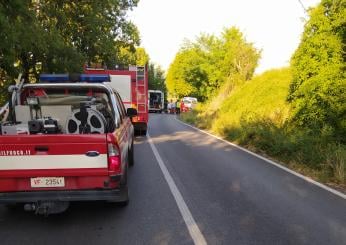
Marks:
<point>114,161</point>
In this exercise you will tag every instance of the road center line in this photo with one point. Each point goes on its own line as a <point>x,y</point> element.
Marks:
<point>190,222</point>
<point>335,192</point>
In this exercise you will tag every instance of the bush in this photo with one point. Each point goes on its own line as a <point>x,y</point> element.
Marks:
<point>318,87</point>
<point>256,115</point>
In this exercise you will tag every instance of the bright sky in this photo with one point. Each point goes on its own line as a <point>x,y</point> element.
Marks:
<point>275,26</point>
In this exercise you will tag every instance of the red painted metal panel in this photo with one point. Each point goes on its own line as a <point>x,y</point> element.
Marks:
<point>142,116</point>
<point>83,178</point>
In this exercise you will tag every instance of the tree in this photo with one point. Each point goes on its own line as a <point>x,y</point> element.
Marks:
<point>200,68</point>
<point>60,36</point>
<point>156,77</point>
<point>136,56</point>
<point>318,88</point>
<point>97,29</point>
<point>142,58</point>
<point>183,74</point>
<point>22,41</point>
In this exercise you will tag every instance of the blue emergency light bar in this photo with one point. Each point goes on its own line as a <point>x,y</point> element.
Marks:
<point>63,78</point>
<point>54,78</point>
<point>94,78</point>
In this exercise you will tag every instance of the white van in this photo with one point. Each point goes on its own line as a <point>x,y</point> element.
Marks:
<point>156,101</point>
<point>189,103</point>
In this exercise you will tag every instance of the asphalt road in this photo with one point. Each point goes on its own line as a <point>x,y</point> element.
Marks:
<point>231,197</point>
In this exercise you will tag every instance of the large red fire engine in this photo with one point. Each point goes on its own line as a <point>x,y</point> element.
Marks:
<point>132,84</point>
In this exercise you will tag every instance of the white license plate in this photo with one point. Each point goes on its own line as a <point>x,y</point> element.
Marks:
<point>47,182</point>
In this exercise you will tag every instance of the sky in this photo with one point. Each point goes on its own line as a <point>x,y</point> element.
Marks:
<point>273,26</point>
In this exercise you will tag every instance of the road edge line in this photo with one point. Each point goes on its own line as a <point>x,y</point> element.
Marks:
<point>190,222</point>
<point>308,179</point>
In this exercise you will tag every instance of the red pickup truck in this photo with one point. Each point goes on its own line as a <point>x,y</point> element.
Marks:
<point>65,139</point>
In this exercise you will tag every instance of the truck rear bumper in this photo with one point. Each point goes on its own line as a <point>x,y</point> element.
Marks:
<point>114,195</point>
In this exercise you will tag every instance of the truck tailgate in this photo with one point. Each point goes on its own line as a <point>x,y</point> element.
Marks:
<point>66,161</point>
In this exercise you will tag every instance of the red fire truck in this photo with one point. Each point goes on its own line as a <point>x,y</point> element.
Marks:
<point>132,84</point>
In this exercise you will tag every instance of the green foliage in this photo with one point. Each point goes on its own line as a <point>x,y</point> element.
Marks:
<point>97,29</point>
<point>203,66</point>
<point>157,80</point>
<point>317,156</point>
<point>184,73</point>
<point>127,55</point>
<point>156,77</point>
<point>142,58</point>
<point>296,115</point>
<point>256,114</point>
<point>133,56</point>
<point>318,88</point>
<point>60,36</point>
<point>4,82</point>
<point>263,95</point>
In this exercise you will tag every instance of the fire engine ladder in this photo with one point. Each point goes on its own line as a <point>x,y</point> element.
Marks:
<point>141,89</point>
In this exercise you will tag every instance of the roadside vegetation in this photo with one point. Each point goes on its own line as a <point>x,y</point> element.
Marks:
<point>200,68</point>
<point>296,115</point>
<point>62,36</point>
<point>257,115</point>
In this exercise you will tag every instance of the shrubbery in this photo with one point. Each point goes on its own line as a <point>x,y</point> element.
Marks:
<point>256,115</point>
<point>296,115</point>
<point>318,88</point>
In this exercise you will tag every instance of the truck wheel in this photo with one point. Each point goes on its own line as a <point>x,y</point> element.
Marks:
<point>131,156</point>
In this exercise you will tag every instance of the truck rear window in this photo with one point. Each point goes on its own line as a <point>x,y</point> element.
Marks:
<point>65,110</point>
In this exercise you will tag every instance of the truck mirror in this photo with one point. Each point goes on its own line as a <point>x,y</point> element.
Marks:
<point>131,112</point>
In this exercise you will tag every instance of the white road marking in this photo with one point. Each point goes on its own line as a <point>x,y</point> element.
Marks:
<point>190,222</point>
<point>338,193</point>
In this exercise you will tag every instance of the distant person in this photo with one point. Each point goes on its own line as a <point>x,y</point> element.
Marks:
<point>178,107</point>
<point>169,107</point>
<point>182,108</point>
<point>173,107</point>
<point>165,106</point>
